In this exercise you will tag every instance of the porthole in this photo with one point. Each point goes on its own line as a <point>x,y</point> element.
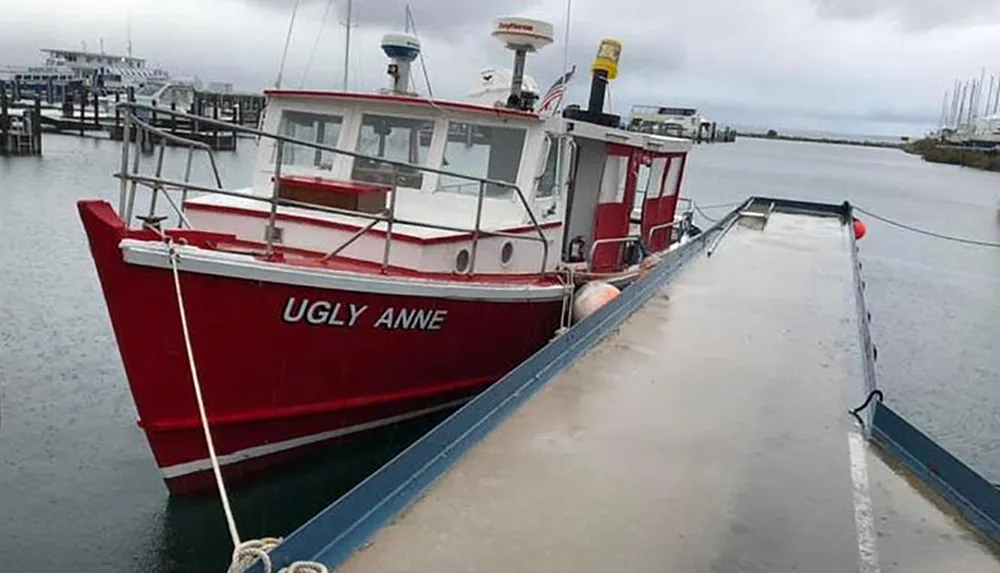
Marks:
<point>506,253</point>
<point>462,261</point>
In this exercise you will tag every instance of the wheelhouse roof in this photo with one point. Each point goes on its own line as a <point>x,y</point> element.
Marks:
<point>402,99</point>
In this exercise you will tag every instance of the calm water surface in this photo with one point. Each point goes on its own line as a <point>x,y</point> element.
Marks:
<point>77,484</point>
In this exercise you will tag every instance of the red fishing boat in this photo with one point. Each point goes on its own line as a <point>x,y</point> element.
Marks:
<point>393,256</point>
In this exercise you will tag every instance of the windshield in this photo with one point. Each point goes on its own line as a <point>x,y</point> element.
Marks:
<point>148,90</point>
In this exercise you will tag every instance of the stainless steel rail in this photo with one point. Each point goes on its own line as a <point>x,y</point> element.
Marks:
<point>138,130</point>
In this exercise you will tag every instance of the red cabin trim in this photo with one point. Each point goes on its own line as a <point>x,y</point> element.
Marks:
<point>405,100</point>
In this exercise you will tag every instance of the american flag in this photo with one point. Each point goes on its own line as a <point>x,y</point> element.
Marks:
<point>554,96</point>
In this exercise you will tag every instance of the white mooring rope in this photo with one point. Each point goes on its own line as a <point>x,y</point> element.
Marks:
<point>244,552</point>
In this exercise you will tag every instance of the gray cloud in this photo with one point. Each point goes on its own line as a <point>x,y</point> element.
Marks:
<point>787,62</point>
<point>431,16</point>
<point>911,14</point>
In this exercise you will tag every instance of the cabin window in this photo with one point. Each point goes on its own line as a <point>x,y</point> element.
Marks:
<point>642,182</point>
<point>673,176</point>
<point>613,180</point>
<point>313,127</point>
<point>481,152</point>
<point>548,183</point>
<point>400,139</point>
<point>147,90</point>
<point>655,175</point>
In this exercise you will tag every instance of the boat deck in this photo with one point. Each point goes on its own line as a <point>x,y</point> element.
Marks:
<point>709,432</point>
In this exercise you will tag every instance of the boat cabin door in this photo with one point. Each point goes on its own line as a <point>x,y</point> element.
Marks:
<point>660,173</point>
<point>600,201</point>
<point>613,250</point>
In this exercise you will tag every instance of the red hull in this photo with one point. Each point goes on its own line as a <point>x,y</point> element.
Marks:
<point>279,376</point>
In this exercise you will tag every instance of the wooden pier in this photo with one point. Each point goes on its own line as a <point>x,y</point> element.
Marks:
<point>20,130</point>
<point>83,113</point>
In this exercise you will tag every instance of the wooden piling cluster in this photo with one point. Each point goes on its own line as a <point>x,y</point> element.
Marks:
<point>716,133</point>
<point>79,112</point>
<point>54,92</point>
<point>20,129</point>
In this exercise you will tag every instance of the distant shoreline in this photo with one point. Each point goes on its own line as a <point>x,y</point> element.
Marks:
<point>772,134</point>
<point>937,151</point>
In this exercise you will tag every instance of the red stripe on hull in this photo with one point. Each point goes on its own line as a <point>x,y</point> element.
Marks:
<point>268,379</point>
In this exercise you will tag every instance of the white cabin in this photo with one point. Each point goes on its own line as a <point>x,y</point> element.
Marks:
<point>483,143</point>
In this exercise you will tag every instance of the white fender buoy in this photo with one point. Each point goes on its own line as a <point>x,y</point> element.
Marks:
<point>591,297</point>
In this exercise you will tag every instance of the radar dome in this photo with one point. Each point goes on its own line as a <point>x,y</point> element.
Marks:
<point>402,47</point>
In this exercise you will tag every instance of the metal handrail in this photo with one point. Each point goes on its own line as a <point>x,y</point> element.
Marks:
<point>158,183</point>
<point>350,241</point>
<point>169,184</point>
<point>595,244</point>
<point>656,228</point>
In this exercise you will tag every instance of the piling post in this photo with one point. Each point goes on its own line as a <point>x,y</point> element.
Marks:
<point>4,120</point>
<point>197,105</point>
<point>50,90</point>
<point>97,120</point>
<point>16,96</point>
<point>83,109</point>
<point>215,127</point>
<point>36,127</point>
<point>173,117</point>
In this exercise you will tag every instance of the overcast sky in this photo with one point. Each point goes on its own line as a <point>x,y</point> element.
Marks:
<point>850,66</point>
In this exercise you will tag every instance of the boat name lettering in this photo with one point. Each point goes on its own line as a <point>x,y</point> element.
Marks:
<point>322,312</point>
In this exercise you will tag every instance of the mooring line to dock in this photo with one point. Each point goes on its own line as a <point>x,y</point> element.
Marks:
<point>934,234</point>
<point>244,552</point>
<point>700,209</point>
<point>230,521</point>
<point>864,517</point>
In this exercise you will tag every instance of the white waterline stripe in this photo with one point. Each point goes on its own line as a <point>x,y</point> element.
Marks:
<point>184,468</point>
<point>864,518</point>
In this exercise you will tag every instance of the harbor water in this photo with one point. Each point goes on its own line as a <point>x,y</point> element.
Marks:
<point>78,487</point>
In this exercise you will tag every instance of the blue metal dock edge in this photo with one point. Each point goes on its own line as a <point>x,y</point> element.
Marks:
<point>333,535</point>
<point>973,496</point>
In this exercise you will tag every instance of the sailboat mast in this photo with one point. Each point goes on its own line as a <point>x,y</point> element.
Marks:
<point>953,118</point>
<point>979,91</point>
<point>996,97</point>
<point>943,120</point>
<point>961,106</point>
<point>989,96</point>
<point>347,45</point>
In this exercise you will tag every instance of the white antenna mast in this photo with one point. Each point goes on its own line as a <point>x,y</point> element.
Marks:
<point>319,34</point>
<point>411,24</point>
<point>128,29</point>
<point>288,40</point>
<point>562,94</point>
<point>347,45</point>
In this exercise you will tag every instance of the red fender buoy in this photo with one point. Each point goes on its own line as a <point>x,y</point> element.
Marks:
<point>859,229</point>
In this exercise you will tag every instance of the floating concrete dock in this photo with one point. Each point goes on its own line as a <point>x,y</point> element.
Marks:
<point>708,431</point>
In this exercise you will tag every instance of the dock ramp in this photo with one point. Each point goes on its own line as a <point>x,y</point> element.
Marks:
<point>700,423</point>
